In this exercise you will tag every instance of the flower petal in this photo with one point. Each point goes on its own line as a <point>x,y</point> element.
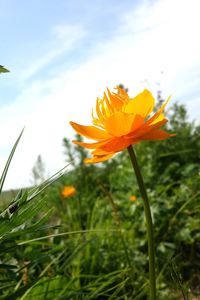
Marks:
<point>157,119</point>
<point>91,145</point>
<point>98,152</point>
<point>158,113</point>
<point>98,158</point>
<point>120,124</point>
<point>90,132</point>
<point>115,100</point>
<point>156,135</point>
<point>137,123</point>
<point>145,129</point>
<point>142,104</point>
<point>118,144</point>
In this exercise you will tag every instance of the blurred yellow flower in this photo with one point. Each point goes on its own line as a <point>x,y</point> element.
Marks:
<point>68,191</point>
<point>133,198</point>
<point>121,121</point>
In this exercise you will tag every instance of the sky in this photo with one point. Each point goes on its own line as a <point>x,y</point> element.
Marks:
<point>63,54</point>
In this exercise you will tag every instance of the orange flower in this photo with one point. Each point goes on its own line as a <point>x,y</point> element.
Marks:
<point>68,191</point>
<point>133,198</point>
<point>121,121</point>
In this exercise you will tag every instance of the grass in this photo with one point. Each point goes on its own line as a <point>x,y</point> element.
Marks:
<point>93,245</point>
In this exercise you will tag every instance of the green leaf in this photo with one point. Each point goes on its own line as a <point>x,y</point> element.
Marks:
<point>26,205</point>
<point>23,214</point>
<point>3,70</point>
<point>3,176</point>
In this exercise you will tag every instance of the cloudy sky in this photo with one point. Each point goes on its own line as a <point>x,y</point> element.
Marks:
<point>63,54</point>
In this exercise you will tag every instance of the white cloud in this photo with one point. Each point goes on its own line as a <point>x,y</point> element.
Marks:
<point>149,39</point>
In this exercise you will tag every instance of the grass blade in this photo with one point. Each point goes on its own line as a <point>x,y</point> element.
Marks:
<point>3,176</point>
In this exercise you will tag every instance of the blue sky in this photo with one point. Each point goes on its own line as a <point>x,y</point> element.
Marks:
<point>63,54</point>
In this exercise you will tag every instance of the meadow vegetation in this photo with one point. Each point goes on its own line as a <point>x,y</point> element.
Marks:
<point>92,244</point>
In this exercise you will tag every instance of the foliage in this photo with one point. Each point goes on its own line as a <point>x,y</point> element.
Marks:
<point>93,244</point>
<point>3,69</point>
<point>17,220</point>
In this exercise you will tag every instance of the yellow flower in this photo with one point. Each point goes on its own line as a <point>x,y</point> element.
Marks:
<point>133,198</point>
<point>68,191</point>
<point>121,121</point>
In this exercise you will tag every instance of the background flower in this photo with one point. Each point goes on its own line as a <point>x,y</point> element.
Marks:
<point>68,191</point>
<point>133,198</point>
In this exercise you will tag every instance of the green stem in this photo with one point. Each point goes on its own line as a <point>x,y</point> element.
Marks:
<point>149,224</point>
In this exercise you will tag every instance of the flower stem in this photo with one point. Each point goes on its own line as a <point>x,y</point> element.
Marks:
<point>149,224</point>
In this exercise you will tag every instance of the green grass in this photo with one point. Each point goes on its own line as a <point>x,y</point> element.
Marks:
<point>93,245</point>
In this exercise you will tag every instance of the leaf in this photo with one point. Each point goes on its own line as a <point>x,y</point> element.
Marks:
<point>23,214</point>
<point>3,70</point>
<point>3,176</point>
<point>26,205</point>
